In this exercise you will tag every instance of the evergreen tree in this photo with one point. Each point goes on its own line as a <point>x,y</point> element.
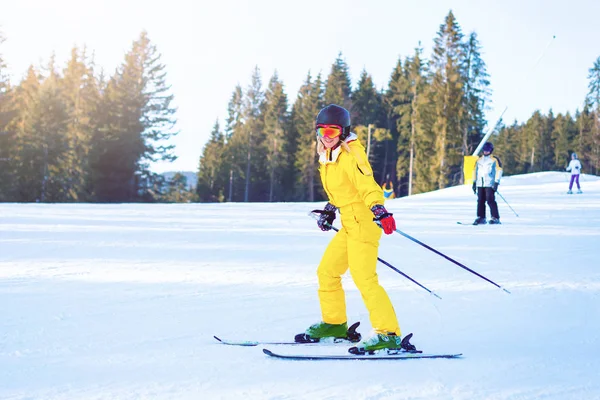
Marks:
<point>140,120</point>
<point>278,146</point>
<point>593,99</point>
<point>304,113</point>
<point>255,172</point>
<point>476,95</point>
<point>563,135</point>
<point>177,190</point>
<point>398,100</point>
<point>447,97</point>
<point>81,94</point>
<point>369,115</point>
<point>583,143</point>
<point>506,143</point>
<point>234,148</point>
<point>339,86</point>
<point>27,161</point>
<point>212,176</point>
<point>7,176</point>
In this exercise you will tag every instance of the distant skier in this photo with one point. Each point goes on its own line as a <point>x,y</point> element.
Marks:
<point>575,169</point>
<point>486,178</point>
<point>388,189</point>
<point>348,181</point>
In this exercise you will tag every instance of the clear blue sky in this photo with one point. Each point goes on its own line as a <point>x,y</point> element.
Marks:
<point>211,46</point>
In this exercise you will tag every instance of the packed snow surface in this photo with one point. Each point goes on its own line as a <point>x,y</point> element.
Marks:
<point>122,301</point>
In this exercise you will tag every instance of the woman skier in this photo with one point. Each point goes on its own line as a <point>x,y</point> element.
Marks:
<point>348,181</point>
<point>575,169</point>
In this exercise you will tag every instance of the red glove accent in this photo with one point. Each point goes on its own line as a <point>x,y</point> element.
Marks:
<point>386,219</point>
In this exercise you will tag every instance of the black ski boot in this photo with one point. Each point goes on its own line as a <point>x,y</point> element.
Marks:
<point>480,221</point>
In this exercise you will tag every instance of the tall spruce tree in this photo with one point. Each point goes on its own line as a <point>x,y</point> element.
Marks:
<point>564,131</point>
<point>27,159</point>
<point>338,88</point>
<point>304,113</point>
<point>234,145</point>
<point>81,93</point>
<point>476,95</point>
<point>398,99</point>
<point>278,147</point>
<point>447,96</point>
<point>369,116</point>
<point>593,99</point>
<point>7,176</point>
<point>140,121</point>
<point>255,172</point>
<point>212,172</point>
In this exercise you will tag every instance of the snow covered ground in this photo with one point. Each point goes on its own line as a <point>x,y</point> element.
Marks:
<point>122,301</point>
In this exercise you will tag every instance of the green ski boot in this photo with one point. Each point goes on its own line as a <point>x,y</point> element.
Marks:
<point>323,330</point>
<point>381,341</point>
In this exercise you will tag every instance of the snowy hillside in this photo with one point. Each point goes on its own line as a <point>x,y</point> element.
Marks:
<point>122,301</point>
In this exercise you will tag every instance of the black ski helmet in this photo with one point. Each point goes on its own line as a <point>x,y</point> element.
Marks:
<point>335,115</point>
<point>488,147</point>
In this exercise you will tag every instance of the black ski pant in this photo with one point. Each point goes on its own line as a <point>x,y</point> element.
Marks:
<point>486,194</point>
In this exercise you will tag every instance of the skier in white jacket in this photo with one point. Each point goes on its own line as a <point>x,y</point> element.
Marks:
<point>575,169</point>
<point>486,178</point>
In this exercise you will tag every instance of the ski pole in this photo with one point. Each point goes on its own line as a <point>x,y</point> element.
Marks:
<point>449,259</point>
<point>507,203</point>
<point>387,264</point>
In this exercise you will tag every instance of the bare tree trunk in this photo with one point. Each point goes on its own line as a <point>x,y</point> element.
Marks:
<point>247,190</point>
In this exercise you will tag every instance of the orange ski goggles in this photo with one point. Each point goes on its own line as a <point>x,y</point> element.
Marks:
<point>329,131</point>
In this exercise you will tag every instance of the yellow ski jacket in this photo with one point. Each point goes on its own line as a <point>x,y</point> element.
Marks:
<point>347,176</point>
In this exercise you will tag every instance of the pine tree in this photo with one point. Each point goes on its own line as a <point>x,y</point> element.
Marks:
<point>140,120</point>
<point>177,190</point>
<point>339,86</point>
<point>507,144</point>
<point>476,95</point>
<point>398,99</point>
<point>212,175</point>
<point>563,134</point>
<point>447,96</point>
<point>7,176</point>
<point>234,147</point>
<point>277,141</point>
<point>255,172</point>
<point>369,115</point>
<point>593,99</point>
<point>27,159</point>
<point>81,93</point>
<point>304,113</point>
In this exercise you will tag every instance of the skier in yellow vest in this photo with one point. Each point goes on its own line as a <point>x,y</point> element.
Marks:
<point>348,181</point>
<point>388,189</point>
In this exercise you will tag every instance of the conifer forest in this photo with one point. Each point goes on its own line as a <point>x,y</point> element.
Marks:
<point>75,133</point>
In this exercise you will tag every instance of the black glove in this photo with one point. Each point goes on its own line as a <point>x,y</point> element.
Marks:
<point>474,188</point>
<point>327,217</point>
<point>495,186</point>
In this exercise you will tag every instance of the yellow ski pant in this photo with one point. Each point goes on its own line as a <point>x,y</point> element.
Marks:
<point>355,247</point>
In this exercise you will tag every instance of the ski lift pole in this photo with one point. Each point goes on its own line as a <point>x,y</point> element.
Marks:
<point>450,259</point>
<point>507,203</point>
<point>387,264</point>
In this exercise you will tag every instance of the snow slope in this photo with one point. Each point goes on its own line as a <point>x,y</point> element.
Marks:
<point>122,301</point>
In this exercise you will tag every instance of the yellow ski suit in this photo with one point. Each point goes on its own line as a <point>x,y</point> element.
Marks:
<point>348,181</point>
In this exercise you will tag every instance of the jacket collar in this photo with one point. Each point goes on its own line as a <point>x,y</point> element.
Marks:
<point>328,156</point>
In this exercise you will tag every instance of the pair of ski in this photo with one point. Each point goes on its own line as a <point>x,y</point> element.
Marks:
<point>381,355</point>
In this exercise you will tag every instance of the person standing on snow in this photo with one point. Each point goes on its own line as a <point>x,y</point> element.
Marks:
<point>348,180</point>
<point>575,169</point>
<point>388,189</point>
<point>486,178</point>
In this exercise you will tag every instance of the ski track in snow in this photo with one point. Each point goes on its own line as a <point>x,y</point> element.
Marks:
<point>122,301</point>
